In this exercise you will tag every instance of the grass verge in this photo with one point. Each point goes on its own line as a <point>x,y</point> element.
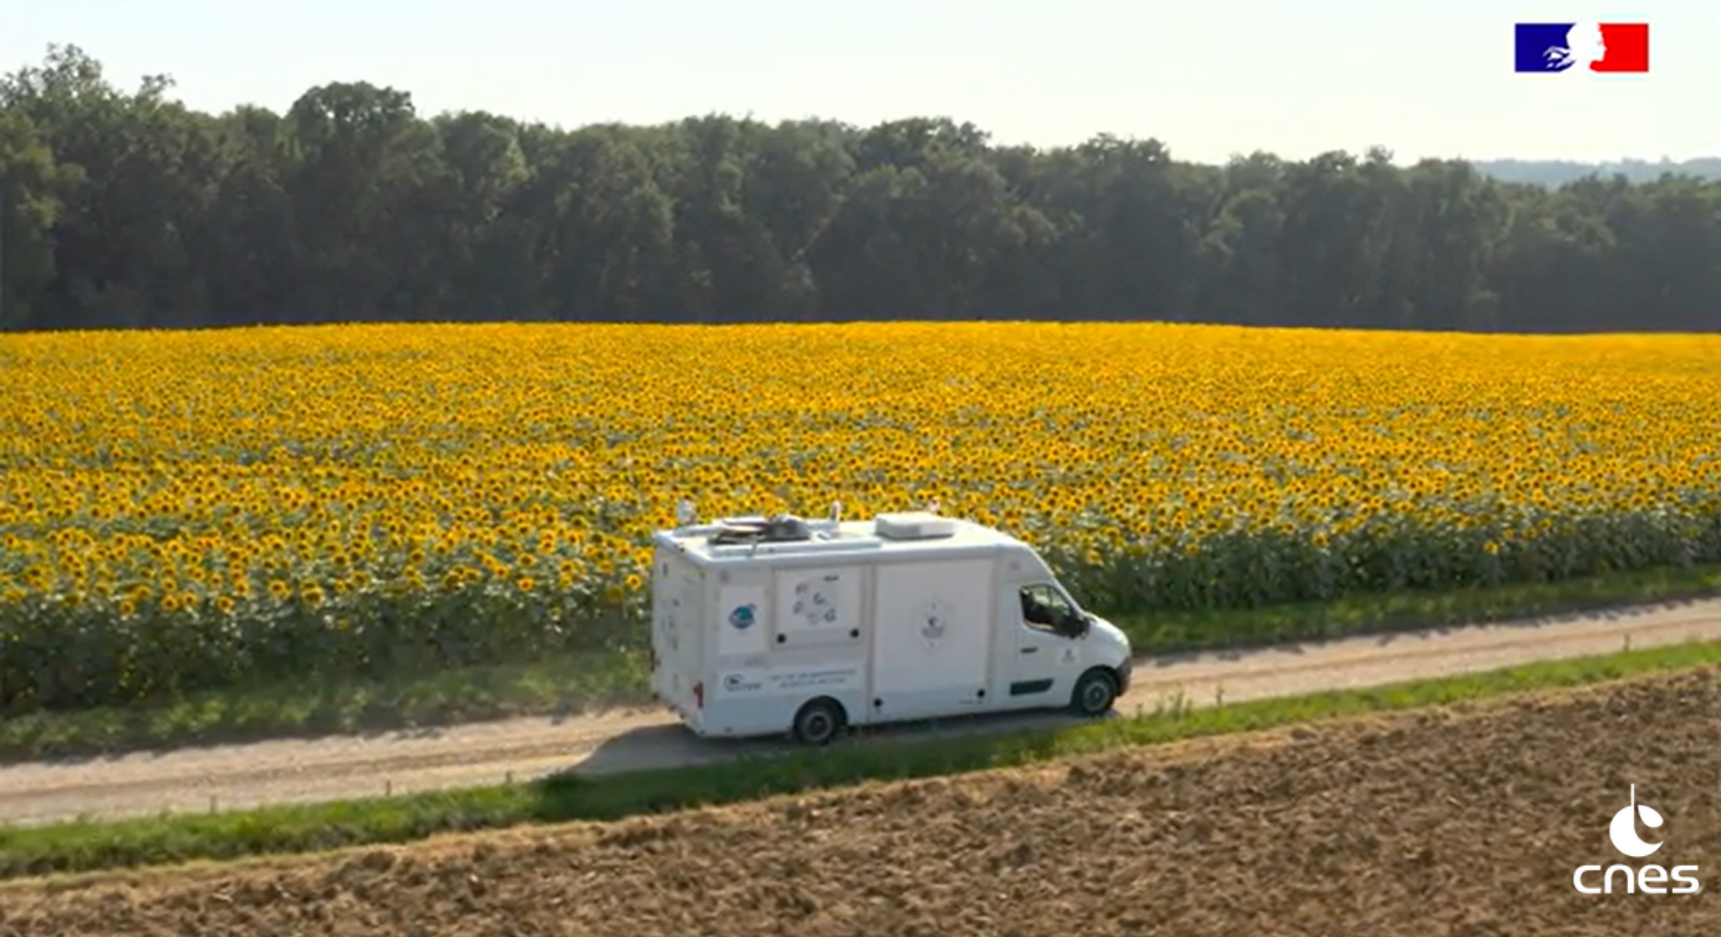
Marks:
<point>91,846</point>
<point>567,684</point>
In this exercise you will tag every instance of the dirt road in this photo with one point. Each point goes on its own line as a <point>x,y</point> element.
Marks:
<point>239,776</point>
<point>1451,824</point>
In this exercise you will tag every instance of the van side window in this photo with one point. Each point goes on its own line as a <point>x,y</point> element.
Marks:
<point>1043,607</point>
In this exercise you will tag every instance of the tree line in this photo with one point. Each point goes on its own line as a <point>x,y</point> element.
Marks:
<point>127,209</point>
<point>1555,172</point>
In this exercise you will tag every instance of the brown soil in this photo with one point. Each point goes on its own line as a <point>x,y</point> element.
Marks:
<point>1456,823</point>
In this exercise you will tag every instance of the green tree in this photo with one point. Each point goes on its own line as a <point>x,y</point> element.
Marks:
<point>128,209</point>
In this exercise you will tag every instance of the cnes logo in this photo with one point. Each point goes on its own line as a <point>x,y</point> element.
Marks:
<point>1650,879</point>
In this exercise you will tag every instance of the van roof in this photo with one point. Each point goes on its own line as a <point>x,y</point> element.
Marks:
<point>889,534</point>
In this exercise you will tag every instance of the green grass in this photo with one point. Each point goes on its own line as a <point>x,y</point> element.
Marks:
<point>90,846</point>
<point>567,684</point>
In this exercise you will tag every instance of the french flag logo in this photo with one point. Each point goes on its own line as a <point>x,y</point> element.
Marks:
<point>1604,48</point>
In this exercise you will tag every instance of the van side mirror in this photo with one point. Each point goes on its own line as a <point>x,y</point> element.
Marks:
<point>1074,625</point>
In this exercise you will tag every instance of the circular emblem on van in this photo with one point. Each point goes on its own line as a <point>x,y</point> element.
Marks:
<point>742,617</point>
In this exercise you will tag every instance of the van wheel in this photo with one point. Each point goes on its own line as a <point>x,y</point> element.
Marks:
<point>818,722</point>
<point>1094,693</point>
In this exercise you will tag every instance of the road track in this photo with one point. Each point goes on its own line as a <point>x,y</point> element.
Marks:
<point>299,771</point>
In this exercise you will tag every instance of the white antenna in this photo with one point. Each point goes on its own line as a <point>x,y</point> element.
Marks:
<point>685,515</point>
<point>836,512</point>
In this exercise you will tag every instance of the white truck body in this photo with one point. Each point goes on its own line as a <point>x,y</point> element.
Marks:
<point>904,617</point>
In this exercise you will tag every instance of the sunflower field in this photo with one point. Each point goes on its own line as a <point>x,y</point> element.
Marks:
<point>188,510</point>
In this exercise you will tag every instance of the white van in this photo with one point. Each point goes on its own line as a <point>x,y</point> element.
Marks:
<point>766,625</point>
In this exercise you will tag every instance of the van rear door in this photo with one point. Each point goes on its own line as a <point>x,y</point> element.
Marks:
<point>678,633</point>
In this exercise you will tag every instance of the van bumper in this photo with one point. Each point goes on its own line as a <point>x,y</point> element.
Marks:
<point>691,716</point>
<point>1125,671</point>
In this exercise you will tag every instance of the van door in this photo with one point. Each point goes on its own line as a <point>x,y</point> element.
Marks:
<point>1046,662</point>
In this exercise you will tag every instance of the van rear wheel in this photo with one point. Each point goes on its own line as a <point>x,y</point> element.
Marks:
<point>1094,693</point>
<point>818,722</point>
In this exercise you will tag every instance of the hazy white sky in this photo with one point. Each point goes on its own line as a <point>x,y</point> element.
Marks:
<point>1209,77</point>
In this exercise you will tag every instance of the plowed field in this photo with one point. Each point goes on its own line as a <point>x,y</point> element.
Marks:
<point>1457,823</point>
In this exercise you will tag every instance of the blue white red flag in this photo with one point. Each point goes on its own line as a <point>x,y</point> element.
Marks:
<point>1616,48</point>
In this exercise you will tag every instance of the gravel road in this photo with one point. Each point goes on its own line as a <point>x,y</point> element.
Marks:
<point>299,771</point>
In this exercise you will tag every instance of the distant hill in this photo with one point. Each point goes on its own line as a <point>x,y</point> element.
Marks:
<point>1557,172</point>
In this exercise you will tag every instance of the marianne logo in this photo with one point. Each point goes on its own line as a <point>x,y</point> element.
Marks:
<point>1649,879</point>
<point>1567,48</point>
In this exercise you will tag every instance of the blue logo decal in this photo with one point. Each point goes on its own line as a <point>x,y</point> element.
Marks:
<point>742,617</point>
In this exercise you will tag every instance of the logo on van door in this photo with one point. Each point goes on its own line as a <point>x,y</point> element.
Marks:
<point>743,617</point>
<point>740,683</point>
<point>816,601</point>
<point>934,621</point>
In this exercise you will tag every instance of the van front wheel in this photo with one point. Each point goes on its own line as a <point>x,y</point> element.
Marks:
<point>1094,693</point>
<point>818,722</point>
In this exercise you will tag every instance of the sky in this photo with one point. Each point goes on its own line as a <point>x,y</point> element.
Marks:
<point>1210,78</point>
